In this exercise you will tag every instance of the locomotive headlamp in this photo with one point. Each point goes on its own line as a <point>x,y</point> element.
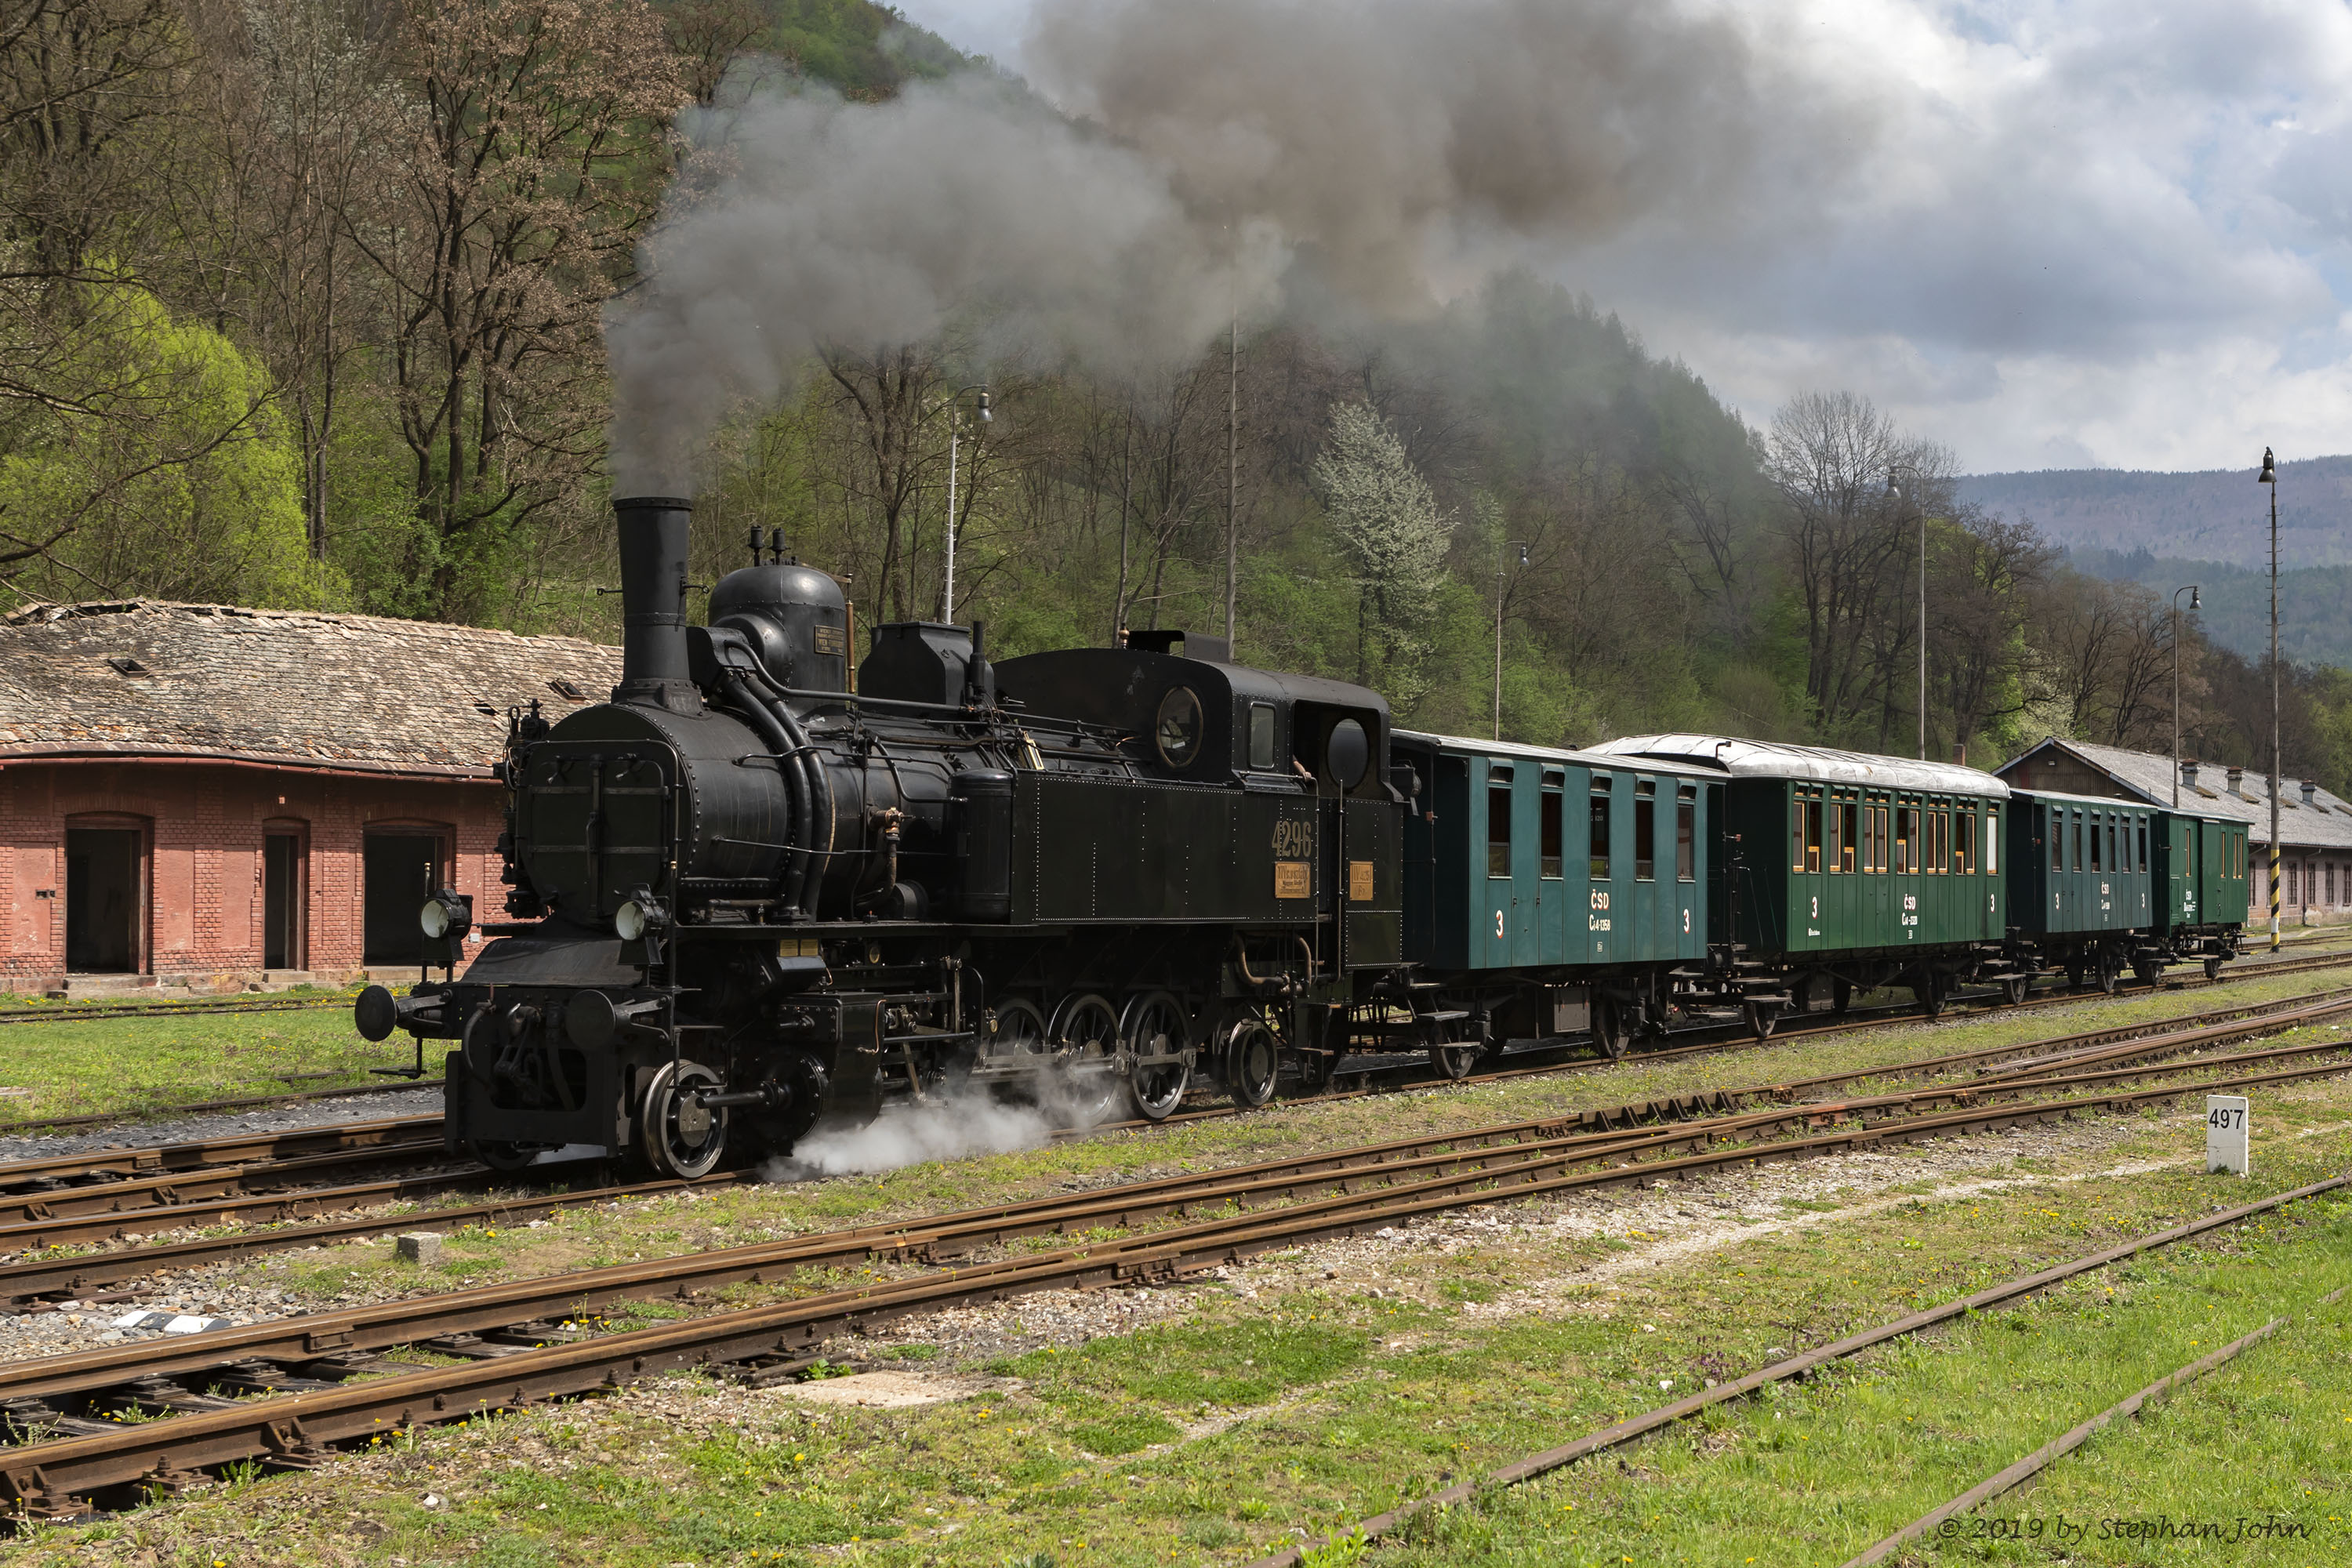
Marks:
<point>638,914</point>
<point>446,915</point>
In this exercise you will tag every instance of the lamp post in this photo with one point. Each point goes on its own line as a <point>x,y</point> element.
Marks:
<point>2269,476</point>
<point>1500,574</point>
<point>2191,592</point>
<point>955,422</point>
<point>1896,490</point>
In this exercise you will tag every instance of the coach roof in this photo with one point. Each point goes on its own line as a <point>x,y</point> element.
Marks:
<point>1772,758</point>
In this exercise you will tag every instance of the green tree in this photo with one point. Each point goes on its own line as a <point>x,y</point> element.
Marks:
<point>1395,538</point>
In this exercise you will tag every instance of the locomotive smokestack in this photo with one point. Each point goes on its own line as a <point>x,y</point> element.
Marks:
<point>653,532</point>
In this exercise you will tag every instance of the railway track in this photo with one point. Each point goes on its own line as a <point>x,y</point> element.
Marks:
<point>71,1013</point>
<point>125,1204</point>
<point>111,1424</point>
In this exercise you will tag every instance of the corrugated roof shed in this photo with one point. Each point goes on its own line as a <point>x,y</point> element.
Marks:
<point>2325,824</point>
<point>147,677</point>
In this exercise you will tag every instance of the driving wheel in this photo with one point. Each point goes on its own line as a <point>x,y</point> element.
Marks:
<point>1155,1034</point>
<point>504,1156</point>
<point>1083,1041</point>
<point>681,1136</point>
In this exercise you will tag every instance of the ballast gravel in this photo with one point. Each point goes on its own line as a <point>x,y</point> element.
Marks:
<point>143,1134</point>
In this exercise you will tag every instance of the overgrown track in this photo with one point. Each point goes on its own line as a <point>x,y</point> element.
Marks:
<point>74,1014</point>
<point>1637,1426</point>
<point>77,1405</point>
<point>114,1213</point>
<point>207,1107</point>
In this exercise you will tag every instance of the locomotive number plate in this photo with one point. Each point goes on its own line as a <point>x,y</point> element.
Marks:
<point>829,639</point>
<point>1292,880</point>
<point>1359,881</point>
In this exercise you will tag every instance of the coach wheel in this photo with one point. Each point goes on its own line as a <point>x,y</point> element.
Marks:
<point>2013,988</point>
<point>1610,1029</point>
<point>1085,1044</point>
<point>1155,1033</point>
<point>503,1156</point>
<point>681,1136</point>
<point>1251,1061</point>
<point>2212,969</point>
<point>1762,1018</point>
<point>1842,996</point>
<point>2075,976</point>
<point>2108,972</point>
<point>2147,973</point>
<point>1455,1060</point>
<point>1929,991</point>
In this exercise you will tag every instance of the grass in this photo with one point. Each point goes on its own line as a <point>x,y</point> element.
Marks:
<point>137,1066</point>
<point>1292,1403</point>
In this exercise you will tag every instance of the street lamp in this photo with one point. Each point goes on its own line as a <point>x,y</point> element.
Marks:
<point>1500,573</point>
<point>955,422</point>
<point>2269,476</point>
<point>1896,490</point>
<point>2191,592</point>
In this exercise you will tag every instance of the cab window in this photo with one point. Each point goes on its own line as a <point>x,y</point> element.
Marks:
<point>1261,735</point>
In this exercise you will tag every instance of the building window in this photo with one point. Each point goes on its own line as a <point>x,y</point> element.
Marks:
<point>1554,836</point>
<point>1686,834</point>
<point>1498,826</point>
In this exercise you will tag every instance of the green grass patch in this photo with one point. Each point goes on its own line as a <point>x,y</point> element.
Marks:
<point>137,1066</point>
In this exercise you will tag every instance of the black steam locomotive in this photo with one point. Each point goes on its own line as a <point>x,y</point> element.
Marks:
<point>746,896</point>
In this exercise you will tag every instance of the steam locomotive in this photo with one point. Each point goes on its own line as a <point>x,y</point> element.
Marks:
<point>744,896</point>
<point>749,895</point>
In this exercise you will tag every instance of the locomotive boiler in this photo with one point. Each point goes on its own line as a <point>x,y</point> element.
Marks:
<point>751,894</point>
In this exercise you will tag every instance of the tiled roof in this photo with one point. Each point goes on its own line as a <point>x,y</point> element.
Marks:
<point>145,677</point>
<point>2326,822</point>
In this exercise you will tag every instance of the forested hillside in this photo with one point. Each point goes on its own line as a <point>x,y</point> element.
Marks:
<point>300,304</point>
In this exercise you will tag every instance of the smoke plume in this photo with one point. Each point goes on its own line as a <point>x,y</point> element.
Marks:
<point>1398,149</point>
<point>951,1126</point>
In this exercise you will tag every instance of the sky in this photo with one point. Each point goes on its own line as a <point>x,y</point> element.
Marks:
<point>2111,233</point>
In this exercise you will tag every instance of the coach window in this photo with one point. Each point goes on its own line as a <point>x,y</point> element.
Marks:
<point>2142,823</point>
<point>2096,864</point>
<point>1808,834</point>
<point>1261,735</point>
<point>1498,822</point>
<point>1599,848</point>
<point>1964,844</point>
<point>2077,864</point>
<point>1879,837</point>
<point>1992,842</point>
<point>1906,833</point>
<point>1645,830</point>
<point>1554,858</point>
<point>1939,828</point>
<point>1686,834</point>
<point>1844,818</point>
<point>2115,856</point>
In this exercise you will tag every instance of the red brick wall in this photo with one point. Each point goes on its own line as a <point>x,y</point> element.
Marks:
<point>205,826</point>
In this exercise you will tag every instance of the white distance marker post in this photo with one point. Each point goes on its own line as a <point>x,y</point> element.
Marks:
<point>2228,1135</point>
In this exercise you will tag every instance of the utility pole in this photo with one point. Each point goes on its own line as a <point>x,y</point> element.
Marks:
<point>2191,592</point>
<point>2269,477</point>
<point>1501,573</point>
<point>1233,474</point>
<point>955,419</point>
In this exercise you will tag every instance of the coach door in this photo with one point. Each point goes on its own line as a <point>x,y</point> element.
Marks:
<point>1552,899</point>
<point>1690,932</point>
<point>1607,840</point>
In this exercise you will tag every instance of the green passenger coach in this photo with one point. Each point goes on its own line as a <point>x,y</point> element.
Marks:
<point>1587,874</point>
<point>1839,871</point>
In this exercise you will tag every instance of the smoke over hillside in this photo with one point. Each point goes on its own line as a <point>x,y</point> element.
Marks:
<point>1399,148</point>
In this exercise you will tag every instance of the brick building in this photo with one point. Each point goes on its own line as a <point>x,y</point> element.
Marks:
<point>202,797</point>
<point>2314,826</point>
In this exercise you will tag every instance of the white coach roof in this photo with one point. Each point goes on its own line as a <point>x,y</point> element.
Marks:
<point>1773,759</point>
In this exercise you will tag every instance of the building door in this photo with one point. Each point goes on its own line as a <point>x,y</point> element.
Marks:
<point>102,901</point>
<point>281,901</point>
<point>402,870</point>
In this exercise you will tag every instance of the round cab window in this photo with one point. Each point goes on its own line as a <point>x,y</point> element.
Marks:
<point>1347,753</point>
<point>1178,730</point>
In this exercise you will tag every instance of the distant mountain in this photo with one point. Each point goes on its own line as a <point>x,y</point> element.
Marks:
<point>2315,602</point>
<point>2220,515</point>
